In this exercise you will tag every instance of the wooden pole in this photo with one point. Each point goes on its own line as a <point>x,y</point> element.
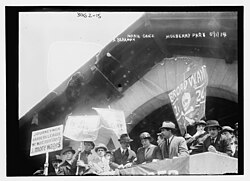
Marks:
<point>46,164</point>
<point>79,156</point>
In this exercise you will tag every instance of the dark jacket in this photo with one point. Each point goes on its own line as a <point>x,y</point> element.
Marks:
<point>196,144</point>
<point>66,169</point>
<point>153,152</point>
<point>222,144</point>
<point>119,159</point>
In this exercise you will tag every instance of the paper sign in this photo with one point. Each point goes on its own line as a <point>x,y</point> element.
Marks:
<point>188,99</point>
<point>82,128</point>
<point>46,140</point>
<point>113,119</point>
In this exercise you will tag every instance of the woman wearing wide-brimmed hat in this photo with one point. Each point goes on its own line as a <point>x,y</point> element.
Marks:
<point>216,142</point>
<point>148,152</point>
<point>195,143</point>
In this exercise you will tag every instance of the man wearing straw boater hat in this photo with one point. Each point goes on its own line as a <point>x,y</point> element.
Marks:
<point>123,157</point>
<point>216,142</point>
<point>99,164</point>
<point>195,143</point>
<point>172,146</point>
<point>148,152</point>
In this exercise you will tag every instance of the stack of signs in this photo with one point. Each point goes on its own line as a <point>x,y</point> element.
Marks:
<point>46,140</point>
<point>188,99</point>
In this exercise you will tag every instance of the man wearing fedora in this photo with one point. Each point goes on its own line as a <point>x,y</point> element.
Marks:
<point>195,143</point>
<point>172,146</point>
<point>55,163</point>
<point>148,152</point>
<point>123,157</point>
<point>85,156</point>
<point>216,142</point>
<point>67,167</point>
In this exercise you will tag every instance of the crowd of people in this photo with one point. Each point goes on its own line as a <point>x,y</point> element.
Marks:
<point>209,137</point>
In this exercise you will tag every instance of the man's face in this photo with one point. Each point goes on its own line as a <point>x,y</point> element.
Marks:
<point>100,152</point>
<point>108,156</point>
<point>88,146</point>
<point>145,143</point>
<point>200,127</point>
<point>124,145</point>
<point>55,164</point>
<point>69,155</point>
<point>227,134</point>
<point>166,133</point>
<point>213,131</point>
<point>159,139</point>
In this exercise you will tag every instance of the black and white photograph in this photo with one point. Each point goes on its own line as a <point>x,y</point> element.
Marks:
<point>124,91</point>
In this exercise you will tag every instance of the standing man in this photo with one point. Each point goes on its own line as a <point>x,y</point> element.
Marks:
<point>123,157</point>
<point>66,168</point>
<point>85,156</point>
<point>172,146</point>
<point>195,143</point>
<point>148,152</point>
<point>216,142</point>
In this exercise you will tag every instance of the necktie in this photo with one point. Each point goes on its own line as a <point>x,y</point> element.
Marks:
<point>212,141</point>
<point>167,148</point>
<point>123,152</point>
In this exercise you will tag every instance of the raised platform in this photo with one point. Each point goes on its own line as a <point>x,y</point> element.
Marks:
<point>204,164</point>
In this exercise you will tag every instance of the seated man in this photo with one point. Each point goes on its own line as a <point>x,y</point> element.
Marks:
<point>172,146</point>
<point>148,152</point>
<point>100,164</point>
<point>66,168</point>
<point>85,156</point>
<point>216,142</point>
<point>195,143</point>
<point>123,157</point>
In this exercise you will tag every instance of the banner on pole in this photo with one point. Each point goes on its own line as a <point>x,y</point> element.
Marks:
<point>188,99</point>
<point>113,119</point>
<point>82,128</point>
<point>46,140</point>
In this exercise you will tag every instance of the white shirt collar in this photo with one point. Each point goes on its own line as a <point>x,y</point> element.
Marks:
<point>123,149</point>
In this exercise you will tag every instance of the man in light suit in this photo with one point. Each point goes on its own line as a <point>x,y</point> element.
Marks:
<point>148,152</point>
<point>172,146</point>
<point>123,157</point>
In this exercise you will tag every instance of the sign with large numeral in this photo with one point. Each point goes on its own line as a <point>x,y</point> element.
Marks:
<point>188,99</point>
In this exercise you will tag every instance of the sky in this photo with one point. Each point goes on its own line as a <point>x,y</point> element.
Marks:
<point>52,45</point>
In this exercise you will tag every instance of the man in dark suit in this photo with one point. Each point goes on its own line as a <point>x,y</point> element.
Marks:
<point>216,142</point>
<point>172,146</point>
<point>148,152</point>
<point>123,157</point>
<point>67,167</point>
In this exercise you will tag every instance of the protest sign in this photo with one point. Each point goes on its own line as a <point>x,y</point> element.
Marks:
<point>46,140</point>
<point>82,128</point>
<point>188,98</point>
<point>113,119</point>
